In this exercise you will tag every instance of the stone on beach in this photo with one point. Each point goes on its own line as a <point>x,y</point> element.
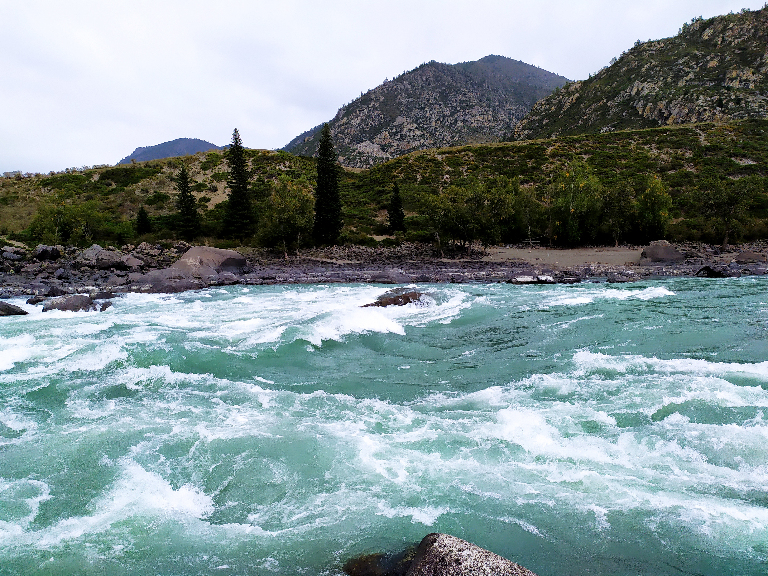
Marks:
<point>659,252</point>
<point>204,262</point>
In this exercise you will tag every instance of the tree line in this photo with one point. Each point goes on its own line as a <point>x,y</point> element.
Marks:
<point>286,213</point>
<point>572,207</point>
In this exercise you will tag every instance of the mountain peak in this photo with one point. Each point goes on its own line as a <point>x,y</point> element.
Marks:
<point>434,105</point>
<point>178,147</point>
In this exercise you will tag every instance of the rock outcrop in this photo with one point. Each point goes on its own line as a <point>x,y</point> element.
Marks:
<point>714,70</point>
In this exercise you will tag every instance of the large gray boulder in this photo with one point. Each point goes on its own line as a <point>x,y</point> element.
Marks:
<point>436,555</point>
<point>206,262</point>
<point>71,303</point>
<point>749,257</point>
<point>658,252</point>
<point>11,310</point>
<point>445,555</point>
<point>98,257</point>
<point>43,252</point>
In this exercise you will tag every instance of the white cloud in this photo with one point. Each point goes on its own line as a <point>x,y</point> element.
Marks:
<point>85,82</point>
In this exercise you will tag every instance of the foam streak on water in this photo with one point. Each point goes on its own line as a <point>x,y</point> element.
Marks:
<point>284,429</point>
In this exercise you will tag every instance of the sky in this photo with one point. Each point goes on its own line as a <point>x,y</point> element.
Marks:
<point>86,82</point>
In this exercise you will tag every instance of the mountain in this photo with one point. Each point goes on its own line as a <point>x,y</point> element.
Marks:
<point>178,147</point>
<point>434,106</point>
<point>713,70</point>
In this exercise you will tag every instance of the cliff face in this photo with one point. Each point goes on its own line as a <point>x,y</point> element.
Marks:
<point>434,106</point>
<point>713,70</point>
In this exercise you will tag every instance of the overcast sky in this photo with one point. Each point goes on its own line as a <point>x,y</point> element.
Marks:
<point>86,82</point>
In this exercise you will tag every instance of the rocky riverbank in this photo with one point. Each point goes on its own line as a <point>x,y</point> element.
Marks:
<point>55,271</point>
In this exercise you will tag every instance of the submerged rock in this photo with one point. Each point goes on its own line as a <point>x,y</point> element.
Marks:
<point>390,299</point>
<point>709,272</point>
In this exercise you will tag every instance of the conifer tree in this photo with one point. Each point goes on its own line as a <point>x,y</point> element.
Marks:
<point>187,218</point>
<point>395,212</point>
<point>142,224</point>
<point>328,222</point>
<point>239,217</point>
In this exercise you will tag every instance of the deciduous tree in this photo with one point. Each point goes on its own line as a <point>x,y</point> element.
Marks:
<point>287,214</point>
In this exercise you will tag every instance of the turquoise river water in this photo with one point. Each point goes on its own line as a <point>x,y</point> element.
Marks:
<point>590,429</point>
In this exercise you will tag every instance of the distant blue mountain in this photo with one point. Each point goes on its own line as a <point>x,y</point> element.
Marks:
<point>178,147</point>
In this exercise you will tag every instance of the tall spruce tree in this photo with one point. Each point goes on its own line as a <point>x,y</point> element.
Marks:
<point>328,222</point>
<point>187,218</point>
<point>143,225</point>
<point>239,217</point>
<point>395,212</point>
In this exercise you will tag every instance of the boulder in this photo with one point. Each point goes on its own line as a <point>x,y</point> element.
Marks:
<point>11,310</point>
<point>107,259</point>
<point>43,252</point>
<point>131,262</point>
<point>206,262</point>
<point>445,555</point>
<point>749,257</point>
<point>12,253</point>
<point>390,299</point>
<point>709,272</point>
<point>98,257</point>
<point>71,303</point>
<point>661,253</point>
<point>436,555</point>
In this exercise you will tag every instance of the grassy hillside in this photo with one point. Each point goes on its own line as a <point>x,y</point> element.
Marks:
<point>688,182</point>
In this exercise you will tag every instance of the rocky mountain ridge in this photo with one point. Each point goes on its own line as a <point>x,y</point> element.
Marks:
<point>713,70</point>
<point>178,147</point>
<point>434,106</point>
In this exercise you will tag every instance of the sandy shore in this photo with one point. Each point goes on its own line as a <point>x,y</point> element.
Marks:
<point>567,258</point>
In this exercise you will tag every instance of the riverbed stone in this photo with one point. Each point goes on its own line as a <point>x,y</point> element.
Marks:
<point>446,555</point>
<point>11,310</point>
<point>71,303</point>
<point>401,299</point>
